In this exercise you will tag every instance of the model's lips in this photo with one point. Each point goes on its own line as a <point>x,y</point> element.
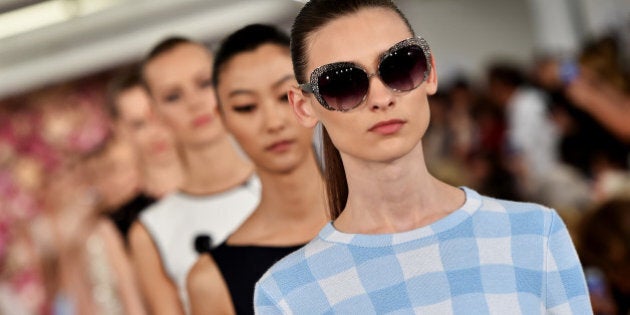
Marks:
<point>202,120</point>
<point>388,127</point>
<point>280,146</point>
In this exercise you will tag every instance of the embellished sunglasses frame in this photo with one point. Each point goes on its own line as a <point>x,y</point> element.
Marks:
<point>313,85</point>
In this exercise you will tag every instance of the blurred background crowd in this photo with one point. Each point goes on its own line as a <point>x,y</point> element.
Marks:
<point>533,105</point>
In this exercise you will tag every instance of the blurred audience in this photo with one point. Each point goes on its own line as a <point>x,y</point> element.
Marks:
<point>463,100</point>
<point>447,158</point>
<point>603,243</point>
<point>531,135</point>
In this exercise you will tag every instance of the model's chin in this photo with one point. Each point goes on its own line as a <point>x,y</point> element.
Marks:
<point>281,167</point>
<point>384,151</point>
<point>206,137</point>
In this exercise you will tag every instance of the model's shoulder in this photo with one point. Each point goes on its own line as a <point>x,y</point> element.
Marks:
<point>508,206</point>
<point>299,258</point>
<point>526,217</point>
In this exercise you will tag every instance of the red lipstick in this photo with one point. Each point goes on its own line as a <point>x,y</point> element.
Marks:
<point>202,120</point>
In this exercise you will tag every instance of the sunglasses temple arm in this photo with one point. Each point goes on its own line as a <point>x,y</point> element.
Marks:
<point>306,87</point>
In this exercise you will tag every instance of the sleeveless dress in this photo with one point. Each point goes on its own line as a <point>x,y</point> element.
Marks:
<point>176,220</point>
<point>242,266</point>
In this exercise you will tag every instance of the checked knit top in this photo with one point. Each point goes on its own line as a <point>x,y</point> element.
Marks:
<point>488,257</point>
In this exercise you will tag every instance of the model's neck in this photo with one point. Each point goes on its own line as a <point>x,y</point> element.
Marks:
<point>213,168</point>
<point>395,196</point>
<point>293,195</point>
<point>161,179</point>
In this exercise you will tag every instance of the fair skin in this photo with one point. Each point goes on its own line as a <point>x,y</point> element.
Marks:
<point>181,87</point>
<point>258,115</point>
<point>390,189</point>
<point>115,174</point>
<point>153,142</point>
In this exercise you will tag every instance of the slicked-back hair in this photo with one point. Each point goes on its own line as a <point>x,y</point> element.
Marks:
<point>246,39</point>
<point>159,49</point>
<point>314,15</point>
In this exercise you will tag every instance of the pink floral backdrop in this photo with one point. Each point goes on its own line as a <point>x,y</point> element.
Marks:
<point>40,131</point>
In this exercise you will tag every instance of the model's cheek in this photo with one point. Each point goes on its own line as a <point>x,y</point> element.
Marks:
<point>143,142</point>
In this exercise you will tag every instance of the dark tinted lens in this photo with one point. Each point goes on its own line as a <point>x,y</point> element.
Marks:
<point>403,69</point>
<point>343,88</point>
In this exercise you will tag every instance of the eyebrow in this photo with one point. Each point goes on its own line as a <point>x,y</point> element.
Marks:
<point>281,81</point>
<point>273,86</point>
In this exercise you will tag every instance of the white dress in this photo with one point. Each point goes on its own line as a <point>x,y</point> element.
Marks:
<point>176,220</point>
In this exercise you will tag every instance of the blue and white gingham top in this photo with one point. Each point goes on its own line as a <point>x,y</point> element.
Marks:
<point>488,257</point>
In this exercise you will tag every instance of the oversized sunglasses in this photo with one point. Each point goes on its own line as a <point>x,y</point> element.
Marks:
<point>342,86</point>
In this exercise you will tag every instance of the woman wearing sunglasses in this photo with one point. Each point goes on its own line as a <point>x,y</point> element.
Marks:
<point>401,240</point>
<point>253,73</point>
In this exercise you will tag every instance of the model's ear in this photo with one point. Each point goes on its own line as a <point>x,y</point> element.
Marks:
<point>302,107</point>
<point>431,85</point>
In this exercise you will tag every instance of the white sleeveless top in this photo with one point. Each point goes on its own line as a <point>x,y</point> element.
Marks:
<point>177,219</point>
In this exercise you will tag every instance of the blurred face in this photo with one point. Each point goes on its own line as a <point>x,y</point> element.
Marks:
<point>181,85</point>
<point>115,174</point>
<point>253,94</point>
<point>147,133</point>
<point>499,92</point>
<point>387,124</point>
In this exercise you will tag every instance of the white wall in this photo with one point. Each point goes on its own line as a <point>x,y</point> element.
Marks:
<point>602,15</point>
<point>122,34</point>
<point>555,24</point>
<point>466,35</point>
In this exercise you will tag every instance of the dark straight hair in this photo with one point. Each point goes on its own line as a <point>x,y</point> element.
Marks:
<point>247,39</point>
<point>123,81</point>
<point>314,15</point>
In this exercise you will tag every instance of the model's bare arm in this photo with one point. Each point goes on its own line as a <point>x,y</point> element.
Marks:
<point>159,292</point>
<point>207,291</point>
<point>126,279</point>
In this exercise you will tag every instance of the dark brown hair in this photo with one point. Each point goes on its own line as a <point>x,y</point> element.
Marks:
<point>246,39</point>
<point>123,81</point>
<point>603,236</point>
<point>314,15</point>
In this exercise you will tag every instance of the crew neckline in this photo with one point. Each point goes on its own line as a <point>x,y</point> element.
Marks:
<point>247,183</point>
<point>472,203</point>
